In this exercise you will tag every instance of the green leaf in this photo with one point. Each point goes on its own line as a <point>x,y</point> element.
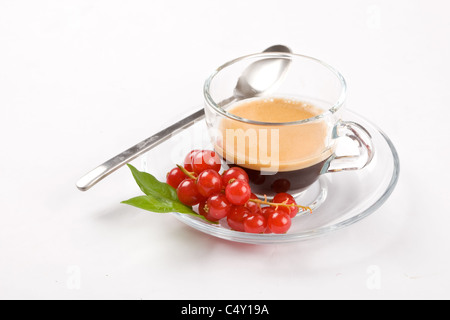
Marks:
<point>151,186</point>
<point>161,205</point>
<point>158,204</point>
<point>159,196</point>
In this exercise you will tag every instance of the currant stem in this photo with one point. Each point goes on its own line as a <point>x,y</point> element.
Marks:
<point>189,174</point>
<point>280,204</point>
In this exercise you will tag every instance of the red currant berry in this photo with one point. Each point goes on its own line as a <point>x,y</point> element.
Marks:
<point>283,209</point>
<point>204,210</point>
<point>280,185</point>
<point>235,173</point>
<point>254,207</point>
<point>218,205</point>
<point>238,192</point>
<point>255,224</point>
<point>209,183</point>
<point>236,217</point>
<point>204,160</point>
<point>283,196</point>
<point>175,177</point>
<point>279,222</point>
<point>267,211</point>
<point>189,160</point>
<point>188,194</point>
<point>287,199</point>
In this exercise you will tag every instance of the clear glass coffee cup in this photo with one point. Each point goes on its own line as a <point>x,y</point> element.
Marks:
<point>285,136</point>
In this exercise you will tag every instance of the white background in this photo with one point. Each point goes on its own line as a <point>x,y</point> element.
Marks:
<point>81,81</point>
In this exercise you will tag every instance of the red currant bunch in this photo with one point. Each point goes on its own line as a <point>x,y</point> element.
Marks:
<point>229,196</point>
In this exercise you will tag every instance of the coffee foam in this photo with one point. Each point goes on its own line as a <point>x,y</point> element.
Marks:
<point>289,148</point>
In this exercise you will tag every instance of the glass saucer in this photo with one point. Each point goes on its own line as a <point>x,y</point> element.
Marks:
<point>338,199</point>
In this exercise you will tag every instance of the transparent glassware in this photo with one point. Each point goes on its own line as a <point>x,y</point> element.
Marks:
<point>338,200</point>
<point>309,143</point>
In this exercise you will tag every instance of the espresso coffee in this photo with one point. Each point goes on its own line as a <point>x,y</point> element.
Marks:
<point>280,157</point>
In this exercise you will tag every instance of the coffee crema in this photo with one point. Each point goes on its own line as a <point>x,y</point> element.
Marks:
<point>287,147</point>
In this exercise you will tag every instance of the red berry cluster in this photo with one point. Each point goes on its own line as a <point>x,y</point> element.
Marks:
<point>228,195</point>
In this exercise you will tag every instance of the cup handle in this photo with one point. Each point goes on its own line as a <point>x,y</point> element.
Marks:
<point>357,133</point>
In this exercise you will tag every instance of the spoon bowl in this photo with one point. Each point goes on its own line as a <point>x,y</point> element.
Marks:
<point>259,76</point>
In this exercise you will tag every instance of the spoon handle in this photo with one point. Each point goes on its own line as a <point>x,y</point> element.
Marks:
<point>105,169</point>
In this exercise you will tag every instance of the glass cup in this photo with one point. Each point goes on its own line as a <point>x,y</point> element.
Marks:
<point>286,156</point>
